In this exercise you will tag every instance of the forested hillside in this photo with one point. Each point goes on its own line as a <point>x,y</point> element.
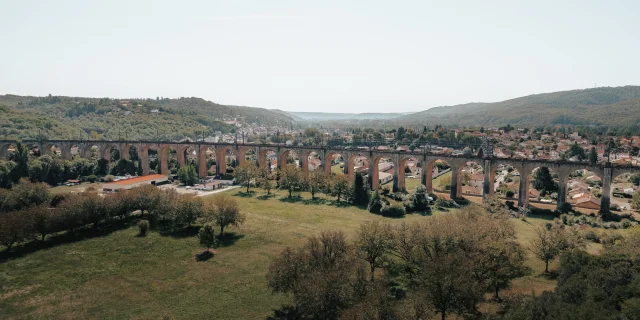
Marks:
<point>612,107</point>
<point>56,117</point>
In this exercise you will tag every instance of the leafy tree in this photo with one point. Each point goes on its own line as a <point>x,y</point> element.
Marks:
<point>187,175</point>
<point>265,179</point>
<point>550,243</point>
<point>245,174</point>
<point>290,178</point>
<point>6,168</point>
<point>123,167</point>
<point>360,194</point>
<point>20,157</point>
<point>635,201</point>
<point>400,134</point>
<point>315,181</point>
<point>319,275</point>
<point>420,201</point>
<point>189,208</point>
<point>340,185</point>
<point>374,241</point>
<point>102,167</point>
<point>375,202</point>
<point>43,220</point>
<point>543,181</point>
<point>227,212</point>
<point>25,194</point>
<point>145,197</point>
<point>576,151</point>
<point>593,156</point>
<point>501,262</point>
<point>445,276</point>
<point>207,237</point>
<point>14,228</point>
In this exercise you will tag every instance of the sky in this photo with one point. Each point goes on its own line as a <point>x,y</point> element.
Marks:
<point>321,56</point>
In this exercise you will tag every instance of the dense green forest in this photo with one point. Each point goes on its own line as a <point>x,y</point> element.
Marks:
<point>55,117</point>
<point>605,106</point>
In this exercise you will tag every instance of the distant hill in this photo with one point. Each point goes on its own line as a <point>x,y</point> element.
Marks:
<point>58,117</point>
<point>605,106</point>
<point>328,116</point>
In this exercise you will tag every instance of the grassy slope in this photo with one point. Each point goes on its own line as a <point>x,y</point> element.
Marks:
<point>119,275</point>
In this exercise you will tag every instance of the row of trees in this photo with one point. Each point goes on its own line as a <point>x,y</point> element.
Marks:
<point>443,265</point>
<point>291,178</point>
<point>31,212</point>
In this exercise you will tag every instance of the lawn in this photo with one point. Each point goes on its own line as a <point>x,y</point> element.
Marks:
<point>77,188</point>
<point>119,275</point>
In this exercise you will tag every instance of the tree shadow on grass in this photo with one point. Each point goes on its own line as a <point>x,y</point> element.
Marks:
<point>243,194</point>
<point>204,256</point>
<point>339,204</point>
<point>314,201</point>
<point>187,232</point>
<point>424,213</point>
<point>292,199</point>
<point>80,234</point>
<point>266,196</point>
<point>552,275</point>
<point>229,238</point>
<point>463,201</point>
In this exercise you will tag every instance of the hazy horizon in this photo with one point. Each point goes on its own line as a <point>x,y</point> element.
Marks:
<point>333,57</point>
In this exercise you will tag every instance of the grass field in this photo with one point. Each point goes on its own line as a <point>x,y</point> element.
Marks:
<point>118,275</point>
<point>75,189</point>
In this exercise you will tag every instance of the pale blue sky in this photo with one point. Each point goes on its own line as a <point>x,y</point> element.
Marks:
<point>339,56</point>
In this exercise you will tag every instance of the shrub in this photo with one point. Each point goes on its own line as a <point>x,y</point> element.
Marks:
<point>143,227</point>
<point>626,223</point>
<point>374,203</point>
<point>109,178</point>
<point>544,212</point>
<point>394,210</point>
<point>408,203</point>
<point>565,207</point>
<point>206,236</point>
<point>441,203</point>
<point>92,178</point>
<point>419,199</point>
<point>510,194</point>
<point>592,236</point>
<point>56,199</point>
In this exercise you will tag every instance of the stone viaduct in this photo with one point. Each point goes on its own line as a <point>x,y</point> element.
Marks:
<point>427,160</point>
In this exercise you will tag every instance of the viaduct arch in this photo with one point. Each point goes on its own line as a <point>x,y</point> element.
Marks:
<point>326,154</point>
